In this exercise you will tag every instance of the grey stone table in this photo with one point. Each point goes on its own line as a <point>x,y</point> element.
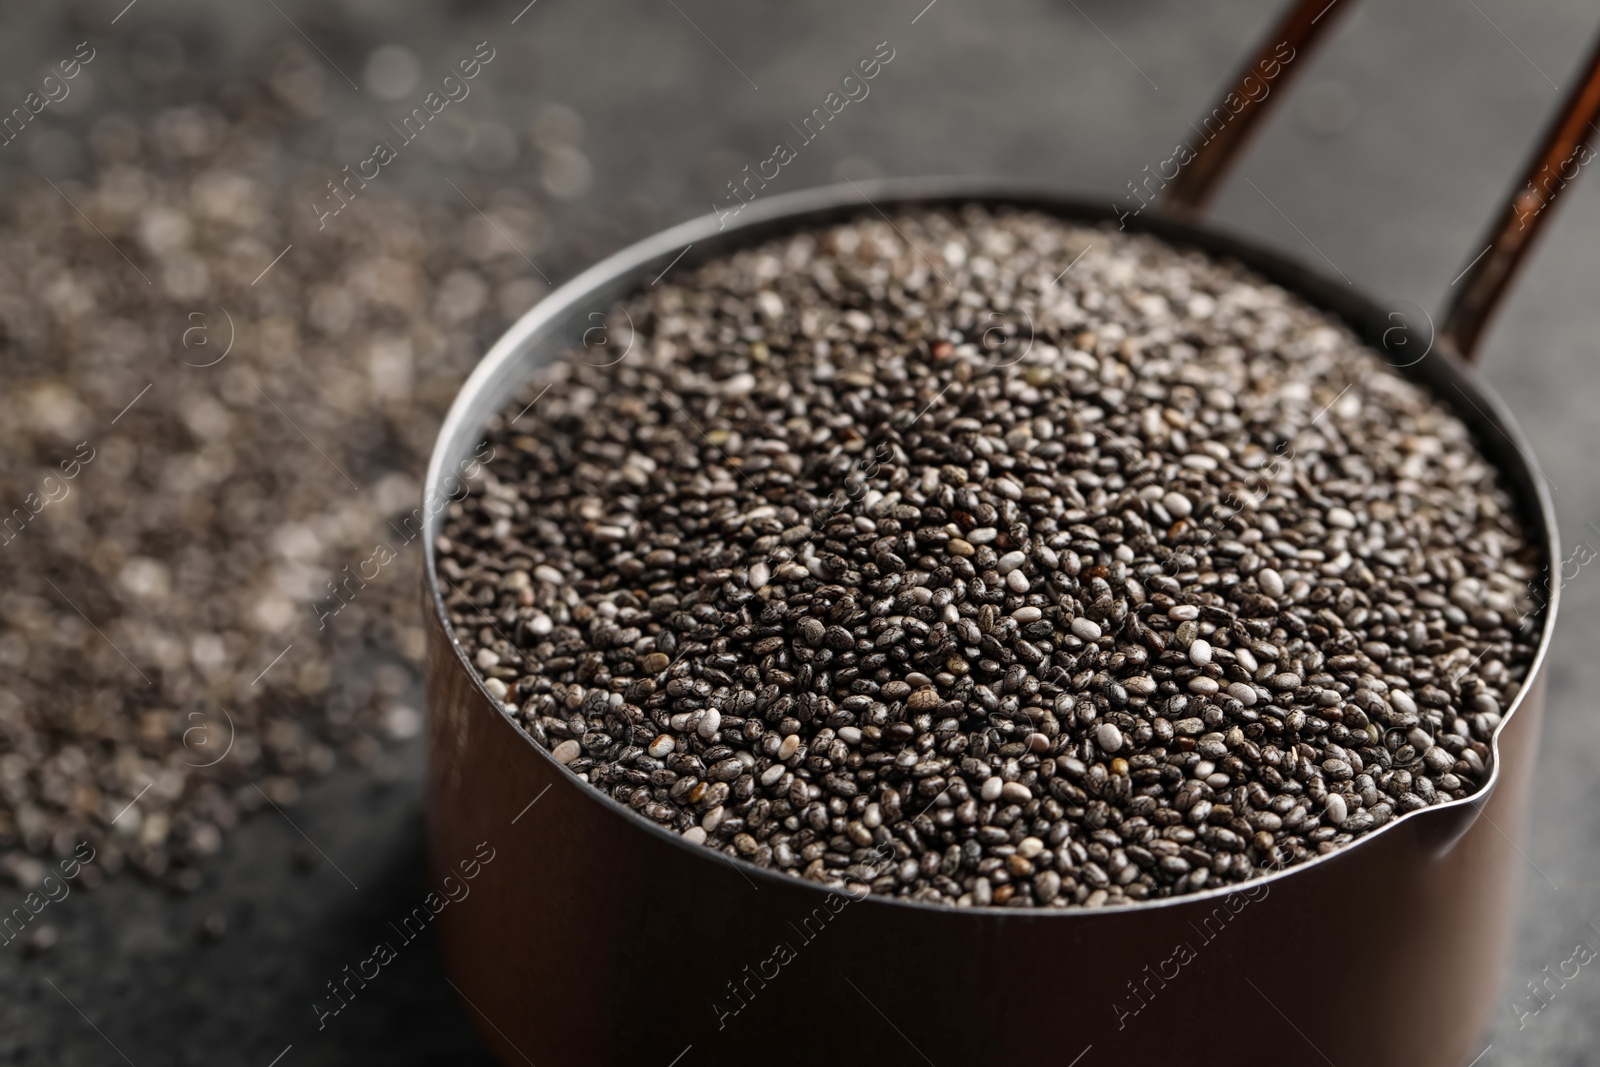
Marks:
<point>1383,167</point>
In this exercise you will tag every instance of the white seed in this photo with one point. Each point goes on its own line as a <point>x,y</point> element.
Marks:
<point>1010,562</point>
<point>760,574</point>
<point>713,818</point>
<point>1087,629</point>
<point>1109,737</point>
<point>991,789</point>
<point>1018,582</point>
<point>661,746</point>
<point>1025,615</point>
<point>1177,505</point>
<point>496,688</point>
<point>486,659</point>
<point>1244,694</point>
<point>1342,518</point>
<point>1269,582</point>
<point>788,746</point>
<point>1337,811</point>
<point>710,722</point>
<point>770,776</point>
<point>1200,652</point>
<point>566,751</point>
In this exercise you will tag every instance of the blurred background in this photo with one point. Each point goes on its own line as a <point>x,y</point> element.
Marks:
<point>205,676</point>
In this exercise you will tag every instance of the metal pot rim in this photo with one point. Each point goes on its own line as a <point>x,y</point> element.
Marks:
<point>757,221</point>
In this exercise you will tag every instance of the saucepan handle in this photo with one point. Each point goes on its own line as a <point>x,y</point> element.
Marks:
<point>1559,155</point>
<point>1556,160</point>
<point>1224,130</point>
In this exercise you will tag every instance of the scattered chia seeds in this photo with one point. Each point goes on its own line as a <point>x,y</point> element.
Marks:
<point>1080,591</point>
<point>224,494</point>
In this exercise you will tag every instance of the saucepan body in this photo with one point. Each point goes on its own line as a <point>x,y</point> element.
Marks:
<point>594,937</point>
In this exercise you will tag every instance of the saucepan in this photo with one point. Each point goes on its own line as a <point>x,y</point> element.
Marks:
<point>596,937</point>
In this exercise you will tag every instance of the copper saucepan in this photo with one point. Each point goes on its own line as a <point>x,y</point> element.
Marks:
<point>596,937</point>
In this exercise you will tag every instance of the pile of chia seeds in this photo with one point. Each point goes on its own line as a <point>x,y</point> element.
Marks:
<point>203,435</point>
<point>986,559</point>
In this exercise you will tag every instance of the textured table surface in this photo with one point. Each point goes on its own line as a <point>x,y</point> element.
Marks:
<point>1383,167</point>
